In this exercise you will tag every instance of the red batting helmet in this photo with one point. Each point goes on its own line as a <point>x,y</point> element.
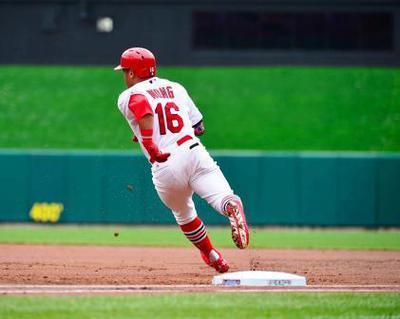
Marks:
<point>140,60</point>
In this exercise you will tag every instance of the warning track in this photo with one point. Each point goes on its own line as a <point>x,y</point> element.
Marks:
<point>144,289</point>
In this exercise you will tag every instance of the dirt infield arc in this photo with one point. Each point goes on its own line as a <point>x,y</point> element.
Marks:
<point>133,269</point>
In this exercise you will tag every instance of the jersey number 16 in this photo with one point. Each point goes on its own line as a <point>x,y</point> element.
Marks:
<point>165,116</point>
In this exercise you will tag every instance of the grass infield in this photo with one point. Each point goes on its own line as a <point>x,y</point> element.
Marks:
<point>260,108</point>
<point>260,305</point>
<point>172,237</point>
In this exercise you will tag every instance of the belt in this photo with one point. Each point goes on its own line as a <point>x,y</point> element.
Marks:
<point>185,139</point>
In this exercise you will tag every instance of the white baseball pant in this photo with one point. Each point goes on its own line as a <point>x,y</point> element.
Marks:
<point>190,169</point>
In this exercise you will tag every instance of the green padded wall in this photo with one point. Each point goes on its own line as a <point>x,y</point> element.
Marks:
<point>314,189</point>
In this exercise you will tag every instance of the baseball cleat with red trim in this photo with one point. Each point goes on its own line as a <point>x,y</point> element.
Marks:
<point>233,209</point>
<point>219,264</point>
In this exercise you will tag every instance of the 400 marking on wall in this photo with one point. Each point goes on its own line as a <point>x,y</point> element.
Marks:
<point>46,212</point>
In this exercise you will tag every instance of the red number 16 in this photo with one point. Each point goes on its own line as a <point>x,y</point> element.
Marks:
<point>173,120</point>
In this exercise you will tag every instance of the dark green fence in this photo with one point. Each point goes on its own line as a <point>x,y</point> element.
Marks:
<point>328,189</point>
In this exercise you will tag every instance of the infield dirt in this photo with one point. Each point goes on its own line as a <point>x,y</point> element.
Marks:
<point>40,264</point>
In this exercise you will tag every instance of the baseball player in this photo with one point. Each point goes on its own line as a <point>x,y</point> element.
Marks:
<point>166,123</point>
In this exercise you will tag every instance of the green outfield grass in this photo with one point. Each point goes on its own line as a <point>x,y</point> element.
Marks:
<point>261,305</point>
<point>172,237</point>
<point>263,108</point>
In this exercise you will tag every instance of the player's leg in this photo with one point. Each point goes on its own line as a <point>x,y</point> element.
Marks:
<point>210,184</point>
<point>193,228</point>
<point>196,232</point>
<point>178,197</point>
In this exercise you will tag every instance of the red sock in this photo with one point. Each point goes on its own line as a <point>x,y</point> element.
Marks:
<point>196,232</point>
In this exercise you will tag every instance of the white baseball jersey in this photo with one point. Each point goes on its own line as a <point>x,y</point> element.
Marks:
<point>173,109</point>
<point>189,168</point>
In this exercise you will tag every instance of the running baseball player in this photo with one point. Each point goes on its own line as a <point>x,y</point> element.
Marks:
<point>166,123</point>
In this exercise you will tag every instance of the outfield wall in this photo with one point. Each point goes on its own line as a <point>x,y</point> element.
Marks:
<point>327,189</point>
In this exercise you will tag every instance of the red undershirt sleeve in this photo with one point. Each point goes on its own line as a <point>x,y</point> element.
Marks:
<point>139,106</point>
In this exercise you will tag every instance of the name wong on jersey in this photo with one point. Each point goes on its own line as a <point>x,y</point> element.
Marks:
<point>161,93</point>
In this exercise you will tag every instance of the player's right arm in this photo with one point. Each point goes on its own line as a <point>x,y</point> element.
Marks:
<point>144,115</point>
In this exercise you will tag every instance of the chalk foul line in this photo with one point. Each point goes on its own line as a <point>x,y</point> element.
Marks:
<point>18,289</point>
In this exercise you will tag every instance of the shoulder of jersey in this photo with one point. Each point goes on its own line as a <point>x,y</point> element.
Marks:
<point>124,98</point>
<point>139,88</point>
<point>164,82</point>
<point>177,85</point>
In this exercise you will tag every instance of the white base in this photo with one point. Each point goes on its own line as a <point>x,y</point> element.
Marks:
<point>259,278</point>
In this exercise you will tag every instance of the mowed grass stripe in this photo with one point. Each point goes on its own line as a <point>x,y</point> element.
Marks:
<point>172,237</point>
<point>261,108</point>
<point>259,305</point>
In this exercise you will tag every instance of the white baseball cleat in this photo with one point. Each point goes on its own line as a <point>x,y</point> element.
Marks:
<point>233,209</point>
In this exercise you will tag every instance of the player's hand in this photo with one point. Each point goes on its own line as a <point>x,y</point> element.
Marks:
<point>161,157</point>
<point>155,154</point>
<point>135,139</point>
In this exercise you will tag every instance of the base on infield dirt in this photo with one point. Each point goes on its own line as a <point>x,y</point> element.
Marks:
<point>259,278</point>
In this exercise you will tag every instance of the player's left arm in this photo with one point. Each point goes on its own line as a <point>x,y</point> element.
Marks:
<point>195,117</point>
<point>199,128</point>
